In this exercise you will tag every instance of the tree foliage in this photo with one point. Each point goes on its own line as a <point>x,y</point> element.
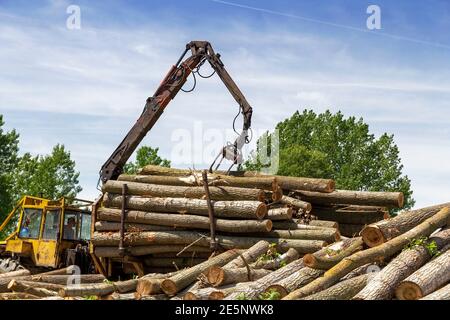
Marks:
<point>145,155</point>
<point>328,145</point>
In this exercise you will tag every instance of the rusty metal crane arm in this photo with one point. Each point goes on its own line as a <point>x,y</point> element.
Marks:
<point>167,90</point>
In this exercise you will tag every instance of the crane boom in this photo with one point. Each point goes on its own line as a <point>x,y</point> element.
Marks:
<point>201,51</point>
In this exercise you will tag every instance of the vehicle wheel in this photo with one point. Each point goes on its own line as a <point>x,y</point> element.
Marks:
<point>9,265</point>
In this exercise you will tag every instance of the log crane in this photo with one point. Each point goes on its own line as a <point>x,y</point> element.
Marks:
<point>201,51</point>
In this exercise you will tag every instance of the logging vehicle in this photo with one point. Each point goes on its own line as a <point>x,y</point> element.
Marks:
<point>46,234</point>
<point>200,52</point>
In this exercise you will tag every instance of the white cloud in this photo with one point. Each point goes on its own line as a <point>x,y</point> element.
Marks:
<point>102,78</point>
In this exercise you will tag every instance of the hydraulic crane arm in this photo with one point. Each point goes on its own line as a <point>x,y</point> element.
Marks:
<point>201,51</point>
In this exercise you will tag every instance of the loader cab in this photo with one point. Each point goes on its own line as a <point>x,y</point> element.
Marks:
<point>49,232</point>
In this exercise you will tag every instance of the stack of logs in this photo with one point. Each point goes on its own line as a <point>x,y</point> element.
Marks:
<point>406,257</point>
<point>167,222</point>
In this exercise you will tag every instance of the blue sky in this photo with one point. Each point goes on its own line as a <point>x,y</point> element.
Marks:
<point>85,88</point>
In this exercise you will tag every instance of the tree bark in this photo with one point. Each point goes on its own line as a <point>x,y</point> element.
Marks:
<point>100,239</point>
<point>333,256</point>
<point>61,271</point>
<point>288,183</point>
<point>64,279</point>
<point>218,276</point>
<point>253,289</point>
<point>44,285</point>
<point>5,281</point>
<point>279,214</point>
<point>328,235</point>
<point>441,294</point>
<point>382,231</point>
<point>17,296</point>
<point>164,191</point>
<point>185,221</point>
<point>278,262</point>
<point>344,290</point>
<point>349,216</point>
<point>17,286</point>
<point>113,252</point>
<point>296,280</point>
<point>292,225</point>
<point>149,286</point>
<point>195,180</point>
<point>360,258</point>
<point>13,274</point>
<point>427,279</point>
<point>365,198</point>
<point>174,284</point>
<point>296,203</point>
<point>248,256</point>
<point>383,285</point>
<point>199,294</point>
<point>222,209</point>
<point>324,223</point>
<point>104,226</point>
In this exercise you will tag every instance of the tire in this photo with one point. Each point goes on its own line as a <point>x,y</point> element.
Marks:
<point>9,265</point>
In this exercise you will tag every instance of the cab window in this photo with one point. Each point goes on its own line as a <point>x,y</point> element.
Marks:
<point>31,223</point>
<point>85,226</point>
<point>71,225</point>
<point>51,224</point>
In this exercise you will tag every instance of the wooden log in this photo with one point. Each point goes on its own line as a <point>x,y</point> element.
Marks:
<point>333,256</point>
<point>5,281</point>
<point>149,286</point>
<point>328,235</point>
<point>14,274</point>
<point>278,262</point>
<point>199,294</point>
<point>382,231</point>
<point>222,292</point>
<point>103,226</point>
<point>360,258</point>
<point>253,289</point>
<point>344,290</point>
<point>98,289</point>
<point>250,255</point>
<point>44,285</point>
<point>185,221</point>
<point>61,271</point>
<point>324,223</point>
<point>222,209</point>
<point>366,268</point>
<point>296,280</point>
<point>164,191</point>
<point>441,294</point>
<point>195,179</point>
<point>17,286</point>
<point>218,276</point>
<point>120,296</point>
<point>191,255</point>
<point>347,216</point>
<point>365,198</point>
<point>113,252</point>
<point>154,297</point>
<point>292,225</point>
<point>296,203</point>
<point>279,214</point>
<point>350,230</point>
<point>174,284</point>
<point>172,262</point>
<point>188,237</point>
<point>288,183</point>
<point>383,285</point>
<point>65,279</point>
<point>427,279</point>
<point>17,296</point>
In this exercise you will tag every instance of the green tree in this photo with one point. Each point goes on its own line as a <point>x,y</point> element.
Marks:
<point>328,145</point>
<point>9,147</point>
<point>145,155</point>
<point>51,176</point>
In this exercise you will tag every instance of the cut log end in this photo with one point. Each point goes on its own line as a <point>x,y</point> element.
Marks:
<point>331,186</point>
<point>372,236</point>
<point>190,296</point>
<point>215,276</point>
<point>309,260</point>
<point>216,295</point>
<point>401,200</point>
<point>280,289</point>
<point>277,193</point>
<point>261,211</point>
<point>269,225</point>
<point>169,287</point>
<point>408,291</point>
